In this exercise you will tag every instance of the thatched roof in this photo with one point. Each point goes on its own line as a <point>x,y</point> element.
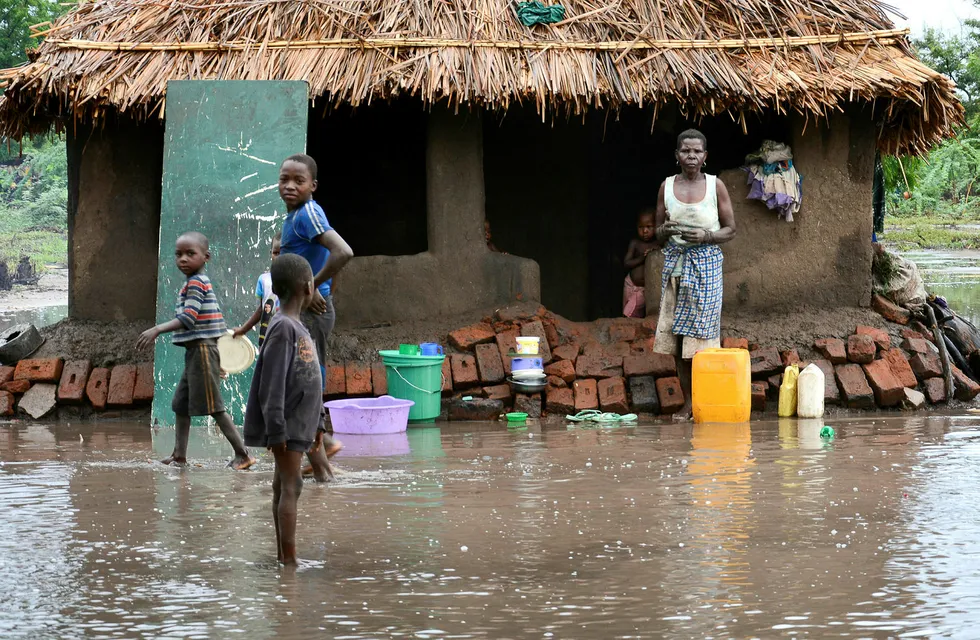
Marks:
<point>709,56</point>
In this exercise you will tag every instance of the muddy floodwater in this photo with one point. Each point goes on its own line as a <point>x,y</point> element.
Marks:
<point>478,531</point>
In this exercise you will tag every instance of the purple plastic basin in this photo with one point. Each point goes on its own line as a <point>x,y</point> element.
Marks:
<point>369,415</point>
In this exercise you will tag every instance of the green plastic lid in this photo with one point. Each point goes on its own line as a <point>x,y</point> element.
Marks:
<point>516,417</point>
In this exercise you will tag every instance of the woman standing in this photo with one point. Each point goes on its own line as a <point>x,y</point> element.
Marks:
<point>694,215</point>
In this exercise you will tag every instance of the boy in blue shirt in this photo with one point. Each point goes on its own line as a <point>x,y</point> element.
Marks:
<point>197,325</point>
<point>307,234</point>
<point>268,301</point>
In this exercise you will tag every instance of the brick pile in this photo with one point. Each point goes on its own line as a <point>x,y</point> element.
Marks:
<point>37,386</point>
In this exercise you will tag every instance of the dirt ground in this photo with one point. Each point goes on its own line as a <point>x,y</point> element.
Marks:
<point>108,344</point>
<point>50,291</point>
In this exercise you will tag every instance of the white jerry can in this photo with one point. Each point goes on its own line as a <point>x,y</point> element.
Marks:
<point>810,388</point>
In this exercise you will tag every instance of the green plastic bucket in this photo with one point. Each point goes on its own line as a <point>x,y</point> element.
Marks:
<point>415,378</point>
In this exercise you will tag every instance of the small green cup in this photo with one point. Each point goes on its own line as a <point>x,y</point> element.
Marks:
<point>408,349</point>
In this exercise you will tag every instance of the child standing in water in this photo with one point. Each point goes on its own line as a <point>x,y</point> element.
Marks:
<point>197,326</point>
<point>268,301</point>
<point>634,304</point>
<point>285,410</point>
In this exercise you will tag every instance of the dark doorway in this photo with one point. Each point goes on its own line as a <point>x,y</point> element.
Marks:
<point>567,193</point>
<point>371,163</point>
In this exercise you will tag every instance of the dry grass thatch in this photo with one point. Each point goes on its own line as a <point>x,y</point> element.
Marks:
<point>710,56</point>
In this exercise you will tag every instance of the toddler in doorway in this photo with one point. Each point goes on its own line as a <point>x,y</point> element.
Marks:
<point>634,304</point>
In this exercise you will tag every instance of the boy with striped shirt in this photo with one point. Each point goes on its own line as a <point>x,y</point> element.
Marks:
<point>197,325</point>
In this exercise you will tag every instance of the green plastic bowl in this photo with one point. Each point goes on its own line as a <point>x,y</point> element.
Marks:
<point>516,417</point>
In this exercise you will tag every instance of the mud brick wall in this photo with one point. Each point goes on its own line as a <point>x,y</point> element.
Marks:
<point>823,258</point>
<point>114,183</point>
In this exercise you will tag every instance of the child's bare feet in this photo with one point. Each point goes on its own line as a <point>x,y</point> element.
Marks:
<point>241,463</point>
<point>326,476</point>
<point>333,449</point>
<point>175,460</point>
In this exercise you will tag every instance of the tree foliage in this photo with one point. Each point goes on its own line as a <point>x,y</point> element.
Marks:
<point>16,18</point>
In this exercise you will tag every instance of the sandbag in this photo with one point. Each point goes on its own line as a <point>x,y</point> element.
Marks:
<point>903,285</point>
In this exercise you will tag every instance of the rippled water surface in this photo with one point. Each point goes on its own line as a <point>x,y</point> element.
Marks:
<point>480,532</point>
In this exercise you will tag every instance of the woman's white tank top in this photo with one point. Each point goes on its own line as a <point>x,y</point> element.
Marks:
<point>703,215</point>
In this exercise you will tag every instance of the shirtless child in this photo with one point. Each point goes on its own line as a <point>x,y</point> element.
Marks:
<point>634,305</point>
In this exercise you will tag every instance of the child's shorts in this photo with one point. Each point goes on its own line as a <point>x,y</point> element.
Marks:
<point>199,390</point>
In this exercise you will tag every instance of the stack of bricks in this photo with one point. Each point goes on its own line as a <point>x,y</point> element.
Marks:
<point>36,386</point>
<point>865,371</point>
<point>607,365</point>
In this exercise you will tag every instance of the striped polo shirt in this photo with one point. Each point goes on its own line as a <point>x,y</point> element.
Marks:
<point>198,311</point>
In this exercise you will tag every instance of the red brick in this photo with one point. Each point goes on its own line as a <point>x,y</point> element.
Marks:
<point>831,393</point>
<point>379,379</point>
<point>536,328</point>
<point>336,382</point>
<point>39,370</point>
<point>71,390</point>
<point>861,349</point>
<point>759,390</point>
<point>918,345</point>
<point>965,388</point>
<point>566,352</point>
<point>16,386</point>
<point>881,338</point>
<point>658,365</point>
<point>790,356</point>
<point>563,369</point>
<point>622,333</point>
<point>924,332</point>
<point>447,376</point>
<point>490,365</point>
<point>642,347</point>
<point>912,334</point>
<point>122,383</point>
<point>766,362</point>
<point>617,350</point>
<point>600,366</point>
<point>671,395</point>
<point>503,327</point>
<point>586,394</point>
<point>555,381</point>
<point>735,343</point>
<point>498,392</point>
<point>935,389</point>
<point>593,348</point>
<point>357,378</point>
<point>612,395</point>
<point>649,324</point>
<point>551,332</point>
<point>97,388</point>
<point>531,405</point>
<point>899,364</point>
<point>6,374</point>
<point>560,401</point>
<point>143,392</point>
<point>888,391</point>
<point>774,381</point>
<point>926,365</point>
<point>855,390</point>
<point>506,345</point>
<point>465,373</point>
<point>832,349</point>
<point>7,403</point>
<point>889,310</point>
<point>468,337</point>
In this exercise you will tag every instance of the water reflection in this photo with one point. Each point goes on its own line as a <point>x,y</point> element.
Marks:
<point>477,531</point>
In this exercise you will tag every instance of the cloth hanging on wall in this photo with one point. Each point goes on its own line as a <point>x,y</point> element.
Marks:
<point>774,180</point>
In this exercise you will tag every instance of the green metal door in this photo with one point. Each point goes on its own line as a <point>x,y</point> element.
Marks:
<point>224,143</point>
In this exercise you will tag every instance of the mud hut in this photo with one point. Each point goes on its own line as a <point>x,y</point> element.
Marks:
<point>449,113</point>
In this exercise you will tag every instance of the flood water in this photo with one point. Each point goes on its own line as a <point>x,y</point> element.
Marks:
<point>477,531</point>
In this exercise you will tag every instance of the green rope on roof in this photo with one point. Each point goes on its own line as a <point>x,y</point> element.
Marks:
<point>535,12</point>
